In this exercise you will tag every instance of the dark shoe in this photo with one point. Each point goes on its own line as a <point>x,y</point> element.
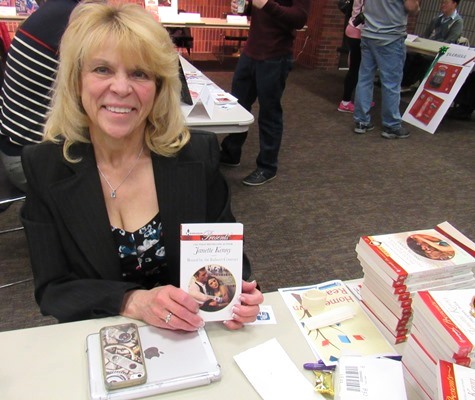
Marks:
<point>361,127</point>
<point>460,112</point>
<point>400,133</point>
<point>258,177</point>
<point>226,160</point>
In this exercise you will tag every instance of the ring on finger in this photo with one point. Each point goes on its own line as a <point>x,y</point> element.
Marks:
<point>168,317</point>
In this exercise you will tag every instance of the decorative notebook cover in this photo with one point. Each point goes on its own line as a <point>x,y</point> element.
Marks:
<point>356,335</point>
<point>211,267</point>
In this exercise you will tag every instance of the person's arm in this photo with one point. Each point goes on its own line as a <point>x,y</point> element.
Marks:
<point>430,28</point>
<point>455,31</point>
<point>412,6</point>
<point>66,286</point>
<point>195,292</point>
<point>294,16</point>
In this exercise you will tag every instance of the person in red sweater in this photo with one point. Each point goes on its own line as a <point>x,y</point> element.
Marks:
<point>261,73</point>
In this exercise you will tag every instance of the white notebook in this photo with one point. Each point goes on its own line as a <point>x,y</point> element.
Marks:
<point>174,360</point>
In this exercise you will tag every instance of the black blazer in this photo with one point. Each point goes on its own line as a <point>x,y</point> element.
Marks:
<point>74,259</point>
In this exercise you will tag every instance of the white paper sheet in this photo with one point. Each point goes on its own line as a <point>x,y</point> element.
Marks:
<point>273,374</point>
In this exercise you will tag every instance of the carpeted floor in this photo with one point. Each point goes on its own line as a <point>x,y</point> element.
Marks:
<point>332,187</point>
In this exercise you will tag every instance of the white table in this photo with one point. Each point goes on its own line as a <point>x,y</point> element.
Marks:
<point>224,120</point>
<point>424,46</point>
<point>50,362</point>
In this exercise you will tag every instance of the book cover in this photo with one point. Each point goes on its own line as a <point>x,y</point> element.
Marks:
<point>211,267</point>
<point>357,335</point>
<point>448,311</point>
<point>455,382</point>
<point>424,253</point>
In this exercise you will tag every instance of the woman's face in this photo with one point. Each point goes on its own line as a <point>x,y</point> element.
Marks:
<point>213,283</point>
<point>116,96</point>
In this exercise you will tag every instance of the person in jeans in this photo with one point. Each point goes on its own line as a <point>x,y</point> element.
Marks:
<point>383,48</point>
<point>353,38</point>
<point>261,73</point>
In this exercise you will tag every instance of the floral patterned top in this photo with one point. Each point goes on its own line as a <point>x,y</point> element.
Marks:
<point>142,253</point>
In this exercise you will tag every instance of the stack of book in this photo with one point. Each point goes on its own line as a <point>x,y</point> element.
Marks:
<point>443,329</point>
<point>396,266</point>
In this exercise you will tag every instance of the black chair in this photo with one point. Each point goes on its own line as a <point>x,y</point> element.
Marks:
<point>231,37</point>
<point>181,37</point>
<point>9,194</point>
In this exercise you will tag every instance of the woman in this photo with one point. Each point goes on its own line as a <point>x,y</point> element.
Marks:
<point>220,292</point>
<point>116,175</point>
<point>353,38</point>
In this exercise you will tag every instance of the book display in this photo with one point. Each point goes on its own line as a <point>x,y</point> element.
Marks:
<point>443,329</point>
<point>398,265</point>
<point>339,327</point>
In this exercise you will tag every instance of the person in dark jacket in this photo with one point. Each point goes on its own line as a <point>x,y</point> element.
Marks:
<point>116,175</point>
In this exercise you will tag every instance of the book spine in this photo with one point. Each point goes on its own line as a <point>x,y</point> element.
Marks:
<point>447,382</point>
<point>463,343</point>
<point>397,272</point>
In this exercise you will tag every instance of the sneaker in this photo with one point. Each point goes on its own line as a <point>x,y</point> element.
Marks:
<point>348,108</point>
<point>257,177</point>
<point>400,133</point>
<point>226,160</point>
<point>361,127</point>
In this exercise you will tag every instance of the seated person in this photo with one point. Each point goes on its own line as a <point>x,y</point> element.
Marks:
<point>446,27</point>
<point>465,100</point>
<point>115,176</point>
<point>29,74</point>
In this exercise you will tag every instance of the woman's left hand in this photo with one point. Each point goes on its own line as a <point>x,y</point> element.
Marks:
<point>247,311</point>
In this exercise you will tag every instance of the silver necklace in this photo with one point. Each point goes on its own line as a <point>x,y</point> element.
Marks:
<point>114,190</point>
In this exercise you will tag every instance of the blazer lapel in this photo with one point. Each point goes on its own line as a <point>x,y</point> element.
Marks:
<point>79,200</point>
<point>181,189</point>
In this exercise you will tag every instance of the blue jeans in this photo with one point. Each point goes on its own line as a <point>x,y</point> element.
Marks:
<point>389,59</point>
<point>263,80</point>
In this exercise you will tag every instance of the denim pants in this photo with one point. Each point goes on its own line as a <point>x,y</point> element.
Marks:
<point>389,59</point>
<point>263,80</point>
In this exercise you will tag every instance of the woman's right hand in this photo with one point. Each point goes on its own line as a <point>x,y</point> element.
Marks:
<point>165,307</point>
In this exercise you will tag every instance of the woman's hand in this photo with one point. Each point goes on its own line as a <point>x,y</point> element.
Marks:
<point>247,311</point>
<point>166,307</point>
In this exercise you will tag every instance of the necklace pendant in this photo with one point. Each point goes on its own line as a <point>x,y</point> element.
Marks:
<point>113,194</point>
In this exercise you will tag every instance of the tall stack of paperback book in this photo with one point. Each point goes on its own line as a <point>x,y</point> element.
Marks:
<point>397,265</point>
<point>443,331</point>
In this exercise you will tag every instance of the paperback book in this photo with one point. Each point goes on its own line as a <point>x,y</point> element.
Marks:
<point>455,382</point>
<point>211,267</point>
<point>356,335</point>
<point>447,316</point>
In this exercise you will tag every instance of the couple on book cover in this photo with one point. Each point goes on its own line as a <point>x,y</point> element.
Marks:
<point>210,291</point>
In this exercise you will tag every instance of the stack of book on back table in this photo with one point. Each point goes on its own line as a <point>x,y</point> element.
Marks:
<point>443,330</point>
<point>397,265</point>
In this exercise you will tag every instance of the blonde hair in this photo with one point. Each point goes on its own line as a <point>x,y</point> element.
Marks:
<point>142,41</point>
